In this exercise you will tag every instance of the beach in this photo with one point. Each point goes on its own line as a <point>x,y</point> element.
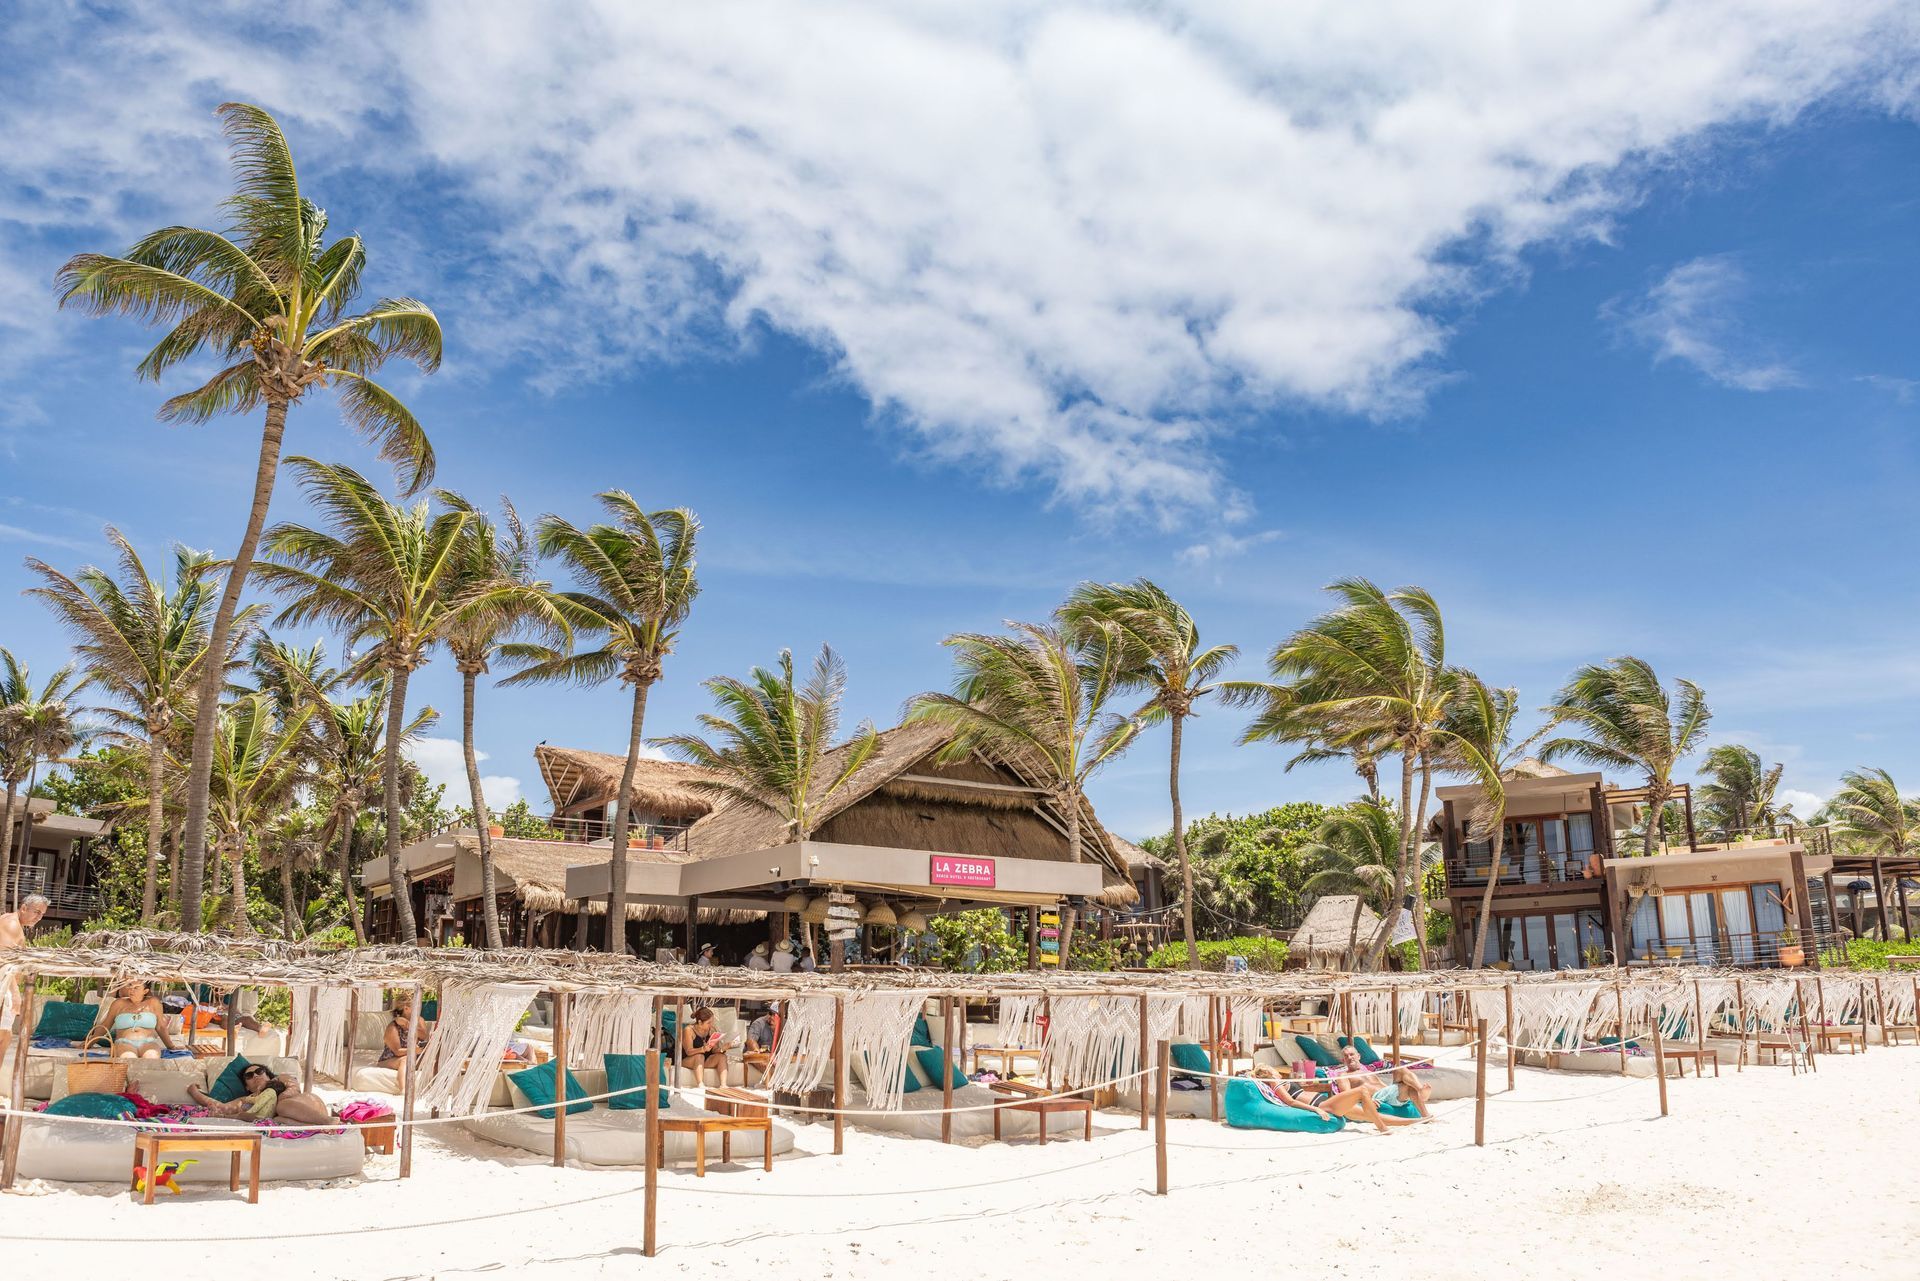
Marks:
<point>1580,1177</point>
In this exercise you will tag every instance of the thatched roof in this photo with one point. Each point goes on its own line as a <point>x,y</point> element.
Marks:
<point>535,872</point>
<point>1138,860</point>
<point>897,800</point>
<point>574,776</point>
<point>1329,926</point>
<point>1529,767</point>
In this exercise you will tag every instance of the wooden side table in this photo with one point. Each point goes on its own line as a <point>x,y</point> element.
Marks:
<point>1854,1037</point>
<point>1006,1057</point>
<point>1684,1053</point>
<point>150,1149</point>
<point>725,1126</point>
<point>376,1135</point>
<point>1031,1098</point>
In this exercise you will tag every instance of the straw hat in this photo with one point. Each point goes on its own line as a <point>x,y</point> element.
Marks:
<point>784,945</point>
<point>761,949</point>
<point>705,948</point>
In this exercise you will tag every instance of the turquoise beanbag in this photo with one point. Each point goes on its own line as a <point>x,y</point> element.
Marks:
<point>1316,1052</point>
<point>932,1060</point>
<point>1189,1057</point>
<point>624,1072</point>
<point>101,1107</point>
<point>68,1020</point>
<point>1248,1108</point>
<point>537,1084</point>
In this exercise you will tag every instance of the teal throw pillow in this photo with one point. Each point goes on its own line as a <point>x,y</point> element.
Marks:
<point>537,1084</point>
<point>933,1059</point>
<point>922,1034</point>
<point>68,1020</point>
<point>1189,1057</point>
<point>1316,1052</point>
<point>1368,1055</point>
<point>101,1107</point>
<point>629,1072</point>
<point>227,1087</point>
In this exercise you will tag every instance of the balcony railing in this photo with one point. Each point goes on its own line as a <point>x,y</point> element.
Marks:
<point>1745,950</point>
<point>585,831</point>
<point>1533,869</point>
<point>62,899</point>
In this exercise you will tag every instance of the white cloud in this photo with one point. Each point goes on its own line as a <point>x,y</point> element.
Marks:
<point>440,759</point>
<point>1069,243</point>
<point>1226,547</point>
<point>1804,804</point>
<point>1692,315</point>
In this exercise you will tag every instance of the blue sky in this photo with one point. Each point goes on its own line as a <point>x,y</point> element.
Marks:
<point>1602,327</point>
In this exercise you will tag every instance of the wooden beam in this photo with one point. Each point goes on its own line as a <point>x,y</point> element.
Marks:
<point>561,1000</point>
<point>410,1089</point>
<point>17,1097</point>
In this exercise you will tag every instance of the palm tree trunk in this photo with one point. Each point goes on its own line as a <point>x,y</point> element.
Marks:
<point>26,827</point>
<point>1389,919</point>
<point>1416,865</point>
<point>173,864</point>
<point>1073,847</point>
<point>239,919</point>
<point>156,823</point>
<point>1486,895</point>
<point>1353,931</point>
<point>193,856</point>
<point>1180,852</point>
<point>346,878</point>
<point>1656,802</point>
<point>481,818</point>
<point>622,825</point>
<point>6,839</point>
<point>286,895</point>
<point>401,888</point>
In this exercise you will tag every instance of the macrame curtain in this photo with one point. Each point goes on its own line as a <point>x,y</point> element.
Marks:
<point>1771,1004</point>
<point>462,1059</point>
<point>803,1054</point>
<point>599,1024</point>
<point>1092,1039</point>
<point>1019,1027</point>
<point>322,1028</point>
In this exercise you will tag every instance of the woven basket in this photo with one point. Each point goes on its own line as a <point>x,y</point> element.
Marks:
<point>97,1076</point>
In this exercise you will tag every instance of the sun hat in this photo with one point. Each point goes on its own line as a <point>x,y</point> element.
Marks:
<point>785,945</point>
<point>761,949</point>
<point>706,947</point>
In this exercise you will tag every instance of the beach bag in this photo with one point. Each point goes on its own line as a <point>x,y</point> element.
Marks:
<point>97,1076</point>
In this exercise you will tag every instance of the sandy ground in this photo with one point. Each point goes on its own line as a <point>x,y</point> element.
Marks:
<point>1756,1173</point>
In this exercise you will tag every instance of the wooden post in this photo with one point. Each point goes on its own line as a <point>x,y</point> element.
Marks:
<point>17,1097</point>
<point>1820,990</point>
<point>1213,1057</point>
<point>653,1145</point>
<point>1033,938</point>
<point>1806,1032</point>
<point>233,1019</point>
<point>1740,1012</point>
<point>1140,1083</point>
<point>1163,1069</point>
<point>1880,1008</point>
<point>1480,1086</point>
<point>1393,1000</point>
<point>680,1034</point>
<point>561,1000</point>
<point>1620,1013</point>
<point>1512,1053</point>
<point>411,1089</point>
<point>1700,1013</point>
<point>946,1073</point>
<point>313,1027</point>
<point>1660,1065</point>
<point>839,1074</point>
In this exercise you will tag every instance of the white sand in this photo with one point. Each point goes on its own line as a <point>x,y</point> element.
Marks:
<point>1755,1174</point>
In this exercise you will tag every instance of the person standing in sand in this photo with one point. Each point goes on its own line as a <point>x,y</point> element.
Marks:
<point>13,933</point>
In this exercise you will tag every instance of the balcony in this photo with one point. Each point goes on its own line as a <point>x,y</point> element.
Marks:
<point>1530,869</point>
<point>585,831</point>
<point>1728,949</point>
<point>78,901</point>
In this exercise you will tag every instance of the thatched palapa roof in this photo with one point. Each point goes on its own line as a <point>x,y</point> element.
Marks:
<point>904,797</point>
<point>535,872</point>
<point>574,776</point>
<point>1329,926</point>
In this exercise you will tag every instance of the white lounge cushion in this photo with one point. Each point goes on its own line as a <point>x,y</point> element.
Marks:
<point>607,1137</point>
<point>104,1154</point>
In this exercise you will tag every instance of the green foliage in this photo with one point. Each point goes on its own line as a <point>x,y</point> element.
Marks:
<point>333,938</point>
<point>1872,954</point>
<point>979,941</point>
<point>1091,953</point>
<point>1264,955</point>
<point>276,1006</point>
<point>517,821</point>
<point>1247,870</point>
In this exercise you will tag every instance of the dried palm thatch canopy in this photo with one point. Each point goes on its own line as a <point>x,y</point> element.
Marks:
<point>905,797</point>
<point>1138,860</point>
<point>1328,931</point>
<point>535,872</point>
<point>117,955</point>
<point>578,779</point>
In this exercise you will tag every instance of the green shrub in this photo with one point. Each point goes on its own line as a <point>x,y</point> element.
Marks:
<point>1093,953</point>
<point>1872,954</point>
<point>978,940</point>
<point>1264,955</point>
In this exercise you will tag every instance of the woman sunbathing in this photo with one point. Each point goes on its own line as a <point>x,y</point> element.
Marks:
<point>1287,1092</point>
<point>267,1098</point>
<point>133,1021</point>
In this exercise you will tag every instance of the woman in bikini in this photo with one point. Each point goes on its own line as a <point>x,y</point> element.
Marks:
<point>402,1029</point>
<point>1286,1092</point>
<point>132,1020</point>
<point>702,1048</point>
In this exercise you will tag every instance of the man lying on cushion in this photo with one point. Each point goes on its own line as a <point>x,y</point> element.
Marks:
<point>267,1098</point>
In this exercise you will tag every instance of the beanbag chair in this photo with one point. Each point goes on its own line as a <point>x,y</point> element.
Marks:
<point>1248,1108</point>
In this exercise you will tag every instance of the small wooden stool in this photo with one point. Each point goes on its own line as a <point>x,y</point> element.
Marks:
<point>1684,1053</point>
<point>1853,1036</point>
<point>1029,1098</point>
<point>150,1149</point>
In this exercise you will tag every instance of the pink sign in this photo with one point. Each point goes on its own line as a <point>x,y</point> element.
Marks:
<point>947,869</point>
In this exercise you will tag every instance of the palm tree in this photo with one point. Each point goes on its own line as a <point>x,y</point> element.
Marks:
<point>385,577</point>
<point>269,300</point>
<point>1162,657</point>
<point>256,768</point>
<point>1371,675</point>
<point>768,740</point>
<point>1477,740</point>
<point>1038,697</point>
<point>350,769</point>
<point>143,645</point>
<point>637,583</point>
<point>291,841</point>
<point>35,726</point>
<point>1868,807</point>
<point>489,558</point>
<point>1738,793</point>
<point>1628,721</point>
<point>1353,853</point>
